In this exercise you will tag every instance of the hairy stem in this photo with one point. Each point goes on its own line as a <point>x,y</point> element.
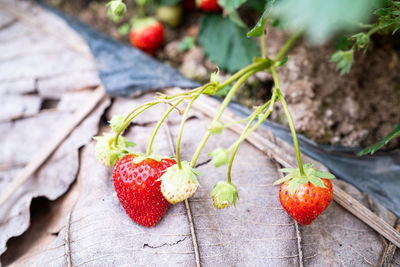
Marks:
<point>286,47</point>
<point>223,106</point>
<point>290,121</point>
<point>178,144</point>
<point>127,121</point>
<point>160,122</point>
<point>253,117</point>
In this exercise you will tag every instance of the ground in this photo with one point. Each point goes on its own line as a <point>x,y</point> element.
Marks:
<point>357,109</point>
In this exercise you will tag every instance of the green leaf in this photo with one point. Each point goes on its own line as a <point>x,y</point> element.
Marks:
<point>124,29</point>
<point>188,43</point>
<point>230,5</point>
<point>344,60</point>
<point>258,29</point>
<point>235,18</point>
<point>223,91</point>
<point>320,20</point>
<point>372,149</point>
<point>283,61</point>
<point>316,181</point>
<point>342,43</point>
<point>225,43</point>
<point>257,5</point>
<point>325,175</point>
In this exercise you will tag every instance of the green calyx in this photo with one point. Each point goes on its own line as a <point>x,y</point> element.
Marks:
<point>212,87</point>
<point>106,151</point>
<point>219,156</point>
<point>140,157</point>
<point>116,123</point>
<point>312,175</point>
<point>116,8</point>
<point>181,176</point>
<point>138,24</point>
<point>224,194</point>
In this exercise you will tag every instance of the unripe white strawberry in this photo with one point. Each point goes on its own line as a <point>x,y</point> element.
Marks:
<point>178,184</point>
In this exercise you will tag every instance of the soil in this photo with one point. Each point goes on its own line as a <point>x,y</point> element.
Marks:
<point>357,109</point>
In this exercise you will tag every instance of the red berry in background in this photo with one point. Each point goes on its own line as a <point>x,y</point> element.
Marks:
<point>308,202</point>
<point>147,34</point>
<point>209,6</point>
<point>138,190</point>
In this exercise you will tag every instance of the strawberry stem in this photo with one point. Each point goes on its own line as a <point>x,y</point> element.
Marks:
<point>148,151</point>
<point>286,47</point>
<point>223,106</point>
<point>178,144</point>
<point>290,121</point>
<point>128,119</point>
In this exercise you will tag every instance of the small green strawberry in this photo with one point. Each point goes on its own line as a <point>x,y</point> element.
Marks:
<point>224,194</point>
<point>178,184</point>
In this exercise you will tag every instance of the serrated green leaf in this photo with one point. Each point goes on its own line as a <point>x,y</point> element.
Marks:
<point>235,18</point>
<point>344,60</point>
<point>372,149</point>
<point>316,181</point>
<point>225,43</point>
<point>320,20</point>
<point>308,165</point>
<point>230,5</point>
<point>325,175</point>
<point>257,5</point>
<point>258,29</point>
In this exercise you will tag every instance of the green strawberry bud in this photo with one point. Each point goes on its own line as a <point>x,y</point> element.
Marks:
<point>116,8</point>
<point>116,123</point>
<point>216,127</point>
<point>107,153</point>
<point>212,87</point>
<point>224,194</point>
<point>219,156</point>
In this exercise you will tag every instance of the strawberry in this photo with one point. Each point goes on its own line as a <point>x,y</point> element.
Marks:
<point>138,189</point>
<point>147,34</point>
<point>171,15</point>
<point>178,184</point>
<point>305,197</point>
<point>210,6</point>
<point>224,194</point>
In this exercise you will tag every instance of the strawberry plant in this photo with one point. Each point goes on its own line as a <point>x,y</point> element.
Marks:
<point>305,191</point>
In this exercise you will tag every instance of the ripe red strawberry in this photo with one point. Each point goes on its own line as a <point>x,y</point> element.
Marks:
<point>305,197</point>
<point>135,181</point>
<point>147,34</point>
<point>209,6</point>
